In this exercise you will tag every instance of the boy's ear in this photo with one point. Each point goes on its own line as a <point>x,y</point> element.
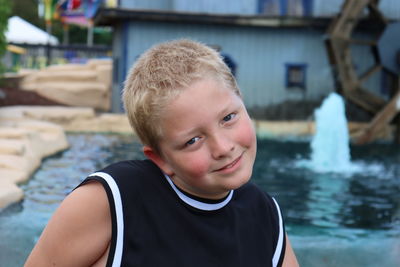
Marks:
<point>158,160</point>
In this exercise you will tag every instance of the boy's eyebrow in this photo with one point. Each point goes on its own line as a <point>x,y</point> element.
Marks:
<point>228,107</point>
<point>232,104</point>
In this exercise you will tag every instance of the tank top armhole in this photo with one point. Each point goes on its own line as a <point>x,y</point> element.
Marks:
<point>115,203</point>
<point>279,253</point>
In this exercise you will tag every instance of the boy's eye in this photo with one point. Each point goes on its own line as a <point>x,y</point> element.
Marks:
<point>192,141</point>
<point>229,117</point>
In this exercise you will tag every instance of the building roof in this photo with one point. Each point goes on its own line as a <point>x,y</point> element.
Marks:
<point>111,16</point>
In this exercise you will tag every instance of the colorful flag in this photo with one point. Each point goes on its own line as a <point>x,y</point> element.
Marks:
<point>90,7</point>
<point>64,5</point>
<point>73,4</point>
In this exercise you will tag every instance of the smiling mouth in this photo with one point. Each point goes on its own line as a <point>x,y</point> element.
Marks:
<point>230,165</point>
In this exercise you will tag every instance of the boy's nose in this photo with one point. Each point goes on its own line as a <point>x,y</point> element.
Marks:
<point>221,146</point>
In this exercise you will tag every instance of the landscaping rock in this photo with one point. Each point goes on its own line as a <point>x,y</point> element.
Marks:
<point>78,85</point>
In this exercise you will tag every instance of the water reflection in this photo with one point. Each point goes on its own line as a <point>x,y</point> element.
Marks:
<point>371,205</point>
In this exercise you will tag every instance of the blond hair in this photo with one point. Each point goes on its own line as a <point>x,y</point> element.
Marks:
<point>160,74</point>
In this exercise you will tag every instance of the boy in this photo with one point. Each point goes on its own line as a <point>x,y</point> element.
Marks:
<point>190,203</point>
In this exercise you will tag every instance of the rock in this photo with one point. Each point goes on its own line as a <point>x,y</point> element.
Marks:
<point>115,123</point>
<point>67,67</point>
<point>78,85</point>
<point>104,74</point>
<point>12,147</point>
<point>67,76</point>
<point>72,119</point>
<point>29,79</point>
<point>9,193</point>
<point>15,176</point>
<point>77,94</point>
<point>25,164</point>
<point>11,112</point>
<point>96,62</point>
<point>23,144</point>
<point>284,128</point>
<point>56,114</point>
<point>51,139</point>
<point>15,134</point>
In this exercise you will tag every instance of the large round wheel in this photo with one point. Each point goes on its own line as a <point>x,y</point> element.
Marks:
<point>384,44</point>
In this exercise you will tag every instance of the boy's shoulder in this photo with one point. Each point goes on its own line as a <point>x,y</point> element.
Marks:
<point>130,173</point>
<point>130,167</point>
<point>252,189</point>
<point>251,193</point>
<point>129,177</point>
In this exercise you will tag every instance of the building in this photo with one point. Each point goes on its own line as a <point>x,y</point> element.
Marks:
<point>278,45</point>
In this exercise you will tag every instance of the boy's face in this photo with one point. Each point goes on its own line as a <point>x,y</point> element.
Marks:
<point>209,143</point>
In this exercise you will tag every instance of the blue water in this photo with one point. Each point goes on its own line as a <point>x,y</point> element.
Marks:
<point>333,219</point>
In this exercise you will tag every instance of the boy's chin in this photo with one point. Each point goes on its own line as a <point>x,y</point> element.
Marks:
<point>239,182</point>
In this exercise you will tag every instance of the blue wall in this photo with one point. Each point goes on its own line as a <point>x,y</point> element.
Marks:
<point>260,53</point>
<point>316,8</point>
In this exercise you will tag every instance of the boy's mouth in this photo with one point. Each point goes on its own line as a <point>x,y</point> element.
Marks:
<point>230,165</point>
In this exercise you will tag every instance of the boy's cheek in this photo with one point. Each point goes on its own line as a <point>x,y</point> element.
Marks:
<point>247,135</point>
<point>196,167</point>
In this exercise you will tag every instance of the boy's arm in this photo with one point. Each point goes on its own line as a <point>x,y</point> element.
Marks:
<point>290,258</point>
<point>79,232</point>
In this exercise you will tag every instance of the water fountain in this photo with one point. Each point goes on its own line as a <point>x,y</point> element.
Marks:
<point>330,145</point>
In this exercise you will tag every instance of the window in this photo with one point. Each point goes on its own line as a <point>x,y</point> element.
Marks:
<point>296,76</point>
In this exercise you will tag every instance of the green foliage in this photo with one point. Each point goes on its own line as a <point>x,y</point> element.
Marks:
<point>78,35</point>
<point>28,10</point>
<point>4,13</point>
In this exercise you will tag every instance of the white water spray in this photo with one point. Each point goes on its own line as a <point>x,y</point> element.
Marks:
<point>330,144</point>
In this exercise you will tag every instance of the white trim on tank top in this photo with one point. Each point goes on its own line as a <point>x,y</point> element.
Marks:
<point>119,215</point>
<point>198,204</point>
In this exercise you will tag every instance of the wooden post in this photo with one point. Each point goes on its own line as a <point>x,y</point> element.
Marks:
<point>48,48</point>
<point>65,34</point>
<point>382,119</point>
<point>90,33</point>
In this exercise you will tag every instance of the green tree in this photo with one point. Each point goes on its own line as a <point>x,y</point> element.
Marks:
<point>27,10</point>
<point>4,13</point>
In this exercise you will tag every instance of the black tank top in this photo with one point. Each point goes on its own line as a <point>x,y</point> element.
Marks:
<point>156,224</point>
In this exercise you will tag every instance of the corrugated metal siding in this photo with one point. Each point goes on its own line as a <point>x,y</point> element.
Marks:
<point>218,7</point>
<point>324,8</point>
<point>146,4</point>
<point>201,6</point>
<point>321,8</point>
<point>390,8</point>
<point>261,55</point>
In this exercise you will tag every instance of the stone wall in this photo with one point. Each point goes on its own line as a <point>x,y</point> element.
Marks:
<point>30,133</point>
<point>78,85</point>
<point>23,145</point>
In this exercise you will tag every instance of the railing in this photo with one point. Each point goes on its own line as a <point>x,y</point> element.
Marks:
<point>40,56</point>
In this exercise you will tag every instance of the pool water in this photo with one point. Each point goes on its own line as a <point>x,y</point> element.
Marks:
<point>333,219</point>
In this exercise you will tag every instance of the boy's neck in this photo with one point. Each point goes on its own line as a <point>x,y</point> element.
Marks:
<point>200,203</point>
<point>201,199</point>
